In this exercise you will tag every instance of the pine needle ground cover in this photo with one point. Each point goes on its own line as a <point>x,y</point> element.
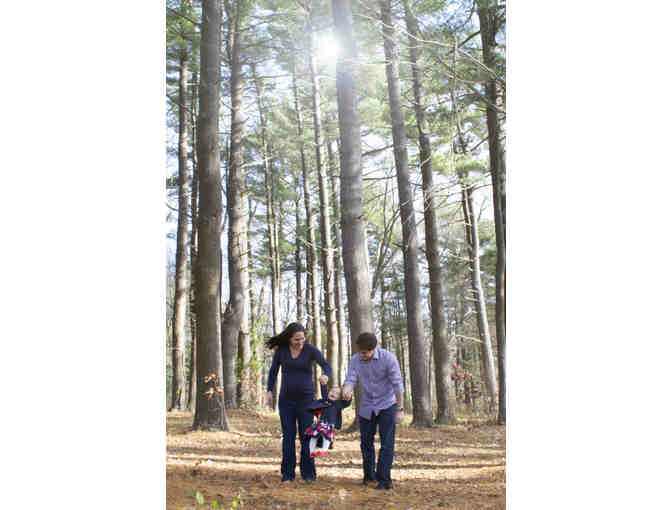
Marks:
<point>455,467</point>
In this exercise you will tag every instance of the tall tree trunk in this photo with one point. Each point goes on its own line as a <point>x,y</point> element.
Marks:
<point>384,341</point>
<point>311,267</point>
<point>270,210</point>
<point>471,227</point>
<point>180,309</point>
<point>210,411</point>
<point>422,405</point>
<point>193,251</point>
<point>445,391</point>
<point>340,312</point>
<point>250,399</point>
<point>235,324</point>
<point>327,251</point>
<point>297,250</point>
<point>471,234</point>
<point>487,10</point>
<point>355,253</point>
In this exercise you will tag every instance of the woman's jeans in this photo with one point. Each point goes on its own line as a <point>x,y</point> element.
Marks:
<point>386,428</point>
<point>292,411</point>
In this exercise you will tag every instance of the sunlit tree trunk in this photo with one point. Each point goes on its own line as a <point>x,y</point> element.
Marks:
<point>311,249</point>
<point>270,210</point>
<point>487,16</point>
<point>422,405</point>
<point>297,250</point>
<point>210,411</point>
<point>179,393</point>
<point>326,248</point>
<point>193,316</point>
<point>235,323</point>
<point>355,255</point>
<point>445,391</point>
<point>384,334</point>
<point>340,312</point>
<point>471,228</point>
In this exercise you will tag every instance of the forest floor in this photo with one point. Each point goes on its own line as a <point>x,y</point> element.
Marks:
<point>446,467</point>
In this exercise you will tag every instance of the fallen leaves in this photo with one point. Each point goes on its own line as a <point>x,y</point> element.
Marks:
<point>442,467</point>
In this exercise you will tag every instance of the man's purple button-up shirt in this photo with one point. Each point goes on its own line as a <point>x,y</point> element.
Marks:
<point>379,378</point>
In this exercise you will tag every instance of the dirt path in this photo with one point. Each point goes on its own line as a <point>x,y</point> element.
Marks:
<point>456,467</point>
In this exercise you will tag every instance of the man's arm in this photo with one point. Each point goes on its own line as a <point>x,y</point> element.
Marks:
<point>394,374</point>
<point>350,379</point>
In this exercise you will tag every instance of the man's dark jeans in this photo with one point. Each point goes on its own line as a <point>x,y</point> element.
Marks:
<point>290,412</point>
<point>386,429</point>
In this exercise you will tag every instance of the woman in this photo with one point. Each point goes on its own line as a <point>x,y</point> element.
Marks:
<point>297,391</point>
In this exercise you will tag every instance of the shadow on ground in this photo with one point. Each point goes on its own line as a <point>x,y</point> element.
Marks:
<point>455,467</point>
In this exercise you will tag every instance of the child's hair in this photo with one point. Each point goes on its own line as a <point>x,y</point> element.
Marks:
<point>282,339</point>
<point>337,388</point>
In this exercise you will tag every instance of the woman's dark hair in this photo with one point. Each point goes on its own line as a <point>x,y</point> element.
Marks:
<point>283,338</point>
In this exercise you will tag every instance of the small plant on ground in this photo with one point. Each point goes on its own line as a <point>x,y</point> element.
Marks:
<point>236,502</point>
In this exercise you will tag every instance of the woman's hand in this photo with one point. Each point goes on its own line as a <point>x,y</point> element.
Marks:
<point>324,379</point>
<point>269,399</point>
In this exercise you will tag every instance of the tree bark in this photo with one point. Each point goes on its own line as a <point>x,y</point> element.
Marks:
<point>487,10</point>
<point>384,342</point>
<point>471,227</point>
<point>354,248</point>
<point>210,411</point>
<point>193,243</point>
<point>297,250</point>
<point>355,254</point>
<point>422,405</point>
<point>270,211</point>
<point>311,249</point>
<point>326,248</point>
<point>180,308</point>
<point>235,323</point>
<point>340,312</point>
<point>445,391</point>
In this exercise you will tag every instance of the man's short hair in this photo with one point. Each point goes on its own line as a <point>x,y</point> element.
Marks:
<point>367,341</point>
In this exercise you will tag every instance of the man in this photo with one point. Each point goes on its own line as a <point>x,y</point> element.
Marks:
<point>377,371</point>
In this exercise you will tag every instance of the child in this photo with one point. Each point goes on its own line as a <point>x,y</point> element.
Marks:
<point>328,413</point>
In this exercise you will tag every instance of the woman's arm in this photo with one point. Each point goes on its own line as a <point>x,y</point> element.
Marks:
<point>326,367</point>
<point>273,371</point>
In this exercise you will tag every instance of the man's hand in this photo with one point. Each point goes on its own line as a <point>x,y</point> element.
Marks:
<point>347,392</point>
<point>324,379</point>
<point>269,399</point>
<point>398,416</point>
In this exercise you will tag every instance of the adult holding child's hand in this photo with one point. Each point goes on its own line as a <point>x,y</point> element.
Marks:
<point>296,357</point>
<point>382,406</point>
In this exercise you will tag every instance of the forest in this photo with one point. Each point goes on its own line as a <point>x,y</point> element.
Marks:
<point>360,165</point>
<point>341,164</point>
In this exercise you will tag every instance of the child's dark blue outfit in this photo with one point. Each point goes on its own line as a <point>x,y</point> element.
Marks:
<point>329,417</point>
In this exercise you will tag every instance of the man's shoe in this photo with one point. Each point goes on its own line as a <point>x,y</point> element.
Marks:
<point>383,487</point>
<point>367,480</point>
<point>287,480</point>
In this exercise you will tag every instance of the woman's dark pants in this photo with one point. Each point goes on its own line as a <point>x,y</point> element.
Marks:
<point>292,411</point>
